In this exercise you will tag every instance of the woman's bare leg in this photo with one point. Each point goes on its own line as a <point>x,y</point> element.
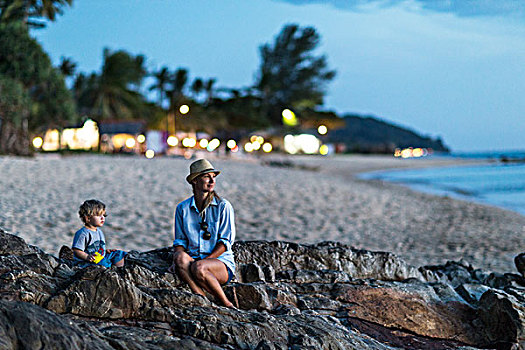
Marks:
<point>182,264</point>
<point>210,274</point>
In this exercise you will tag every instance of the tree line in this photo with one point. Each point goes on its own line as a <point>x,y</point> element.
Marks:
<point>34,96</point>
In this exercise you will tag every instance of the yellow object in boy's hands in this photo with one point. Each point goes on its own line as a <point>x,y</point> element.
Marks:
<point>98,257</point>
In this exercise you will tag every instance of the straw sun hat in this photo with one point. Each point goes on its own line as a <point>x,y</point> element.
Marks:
<point>200,167</point>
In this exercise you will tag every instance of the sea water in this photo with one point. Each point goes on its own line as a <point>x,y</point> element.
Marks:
<point>498,183</point>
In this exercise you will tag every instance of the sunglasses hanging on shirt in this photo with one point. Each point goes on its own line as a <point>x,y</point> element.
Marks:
<point>206,235</point>
<point>204,226</point>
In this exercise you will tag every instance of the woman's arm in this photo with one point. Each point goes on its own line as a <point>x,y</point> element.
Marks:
<point>217,251</point>
<point>180,238</point>
<point>226,230</point>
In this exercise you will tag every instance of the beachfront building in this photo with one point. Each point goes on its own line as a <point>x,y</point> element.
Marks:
<point>108,137</point>
<point>82,137</point>
<point>117,136</point>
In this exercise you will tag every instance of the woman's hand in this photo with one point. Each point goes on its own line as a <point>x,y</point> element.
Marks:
<point>180,257</point>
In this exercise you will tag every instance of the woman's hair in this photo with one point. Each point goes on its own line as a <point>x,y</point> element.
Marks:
<point>209,199</point>
<point>91,208</point>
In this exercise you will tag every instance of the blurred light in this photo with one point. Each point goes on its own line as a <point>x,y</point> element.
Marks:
<point>289,144</point>
<point>119,140</point>
<point>235,149</point>
<point>406,153</point>
<point>287,114</point>
<point>256,145</point>
<point>322,129</point>
<point>172,141</point>
<point>86,137</point>
<point>141,138</point>
<point>150,154</point>
<point>253,138</point>
<point>308,143</point>
<point>203,143</point>
<point>248,147</point>
<point>231,144</point>
<point>189,142</point>
<point>213,144</point>
<point>417,152</point>
<point>288,138</point>
<point>289,118</point>
<point>267,147</point>
<point>412,152</point>
<point>38,142</point>
<point>323,150</point>
<point>184,109</point>
<point>305,143</point>
<point>130,143</point>
<point>260,139</point>
<point>51,138</point>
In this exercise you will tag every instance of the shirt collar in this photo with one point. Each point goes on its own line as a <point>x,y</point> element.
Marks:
<point>194,205</point>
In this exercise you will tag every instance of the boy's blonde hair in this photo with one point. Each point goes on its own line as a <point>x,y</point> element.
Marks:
<point>91,208</point>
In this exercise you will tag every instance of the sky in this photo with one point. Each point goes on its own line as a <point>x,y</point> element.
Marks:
<point>443,68</point>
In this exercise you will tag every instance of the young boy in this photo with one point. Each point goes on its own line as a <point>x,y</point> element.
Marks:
<point>89,244</point>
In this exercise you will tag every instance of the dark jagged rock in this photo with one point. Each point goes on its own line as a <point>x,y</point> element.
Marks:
<point>14,245</point>
<point>325,256</point>
<point>289,296</point>
<point>27,326</point>
<point>520,263</point>
<point>65,253</point>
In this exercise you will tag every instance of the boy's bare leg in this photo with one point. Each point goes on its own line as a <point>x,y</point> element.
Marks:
<point>119,263</point>
<point>210,274</point>
<point>182,263</point>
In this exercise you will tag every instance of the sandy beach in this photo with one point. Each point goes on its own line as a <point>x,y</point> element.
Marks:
<point>317,199</point>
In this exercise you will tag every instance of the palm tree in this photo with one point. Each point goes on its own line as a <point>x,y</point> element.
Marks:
<point>208,87</point>
<point>178,83</point>
<point>196,87</point>
<point>67,67</point>
<point>115,93</point>
<point>27,10</point>
<point>23,60</point>
<point>162,78</point>
<point>290,75</point>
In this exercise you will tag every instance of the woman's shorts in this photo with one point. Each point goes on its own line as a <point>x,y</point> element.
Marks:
<point>230,274</point>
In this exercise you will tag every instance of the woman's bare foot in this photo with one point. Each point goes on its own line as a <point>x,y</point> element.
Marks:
<point>230,305</point>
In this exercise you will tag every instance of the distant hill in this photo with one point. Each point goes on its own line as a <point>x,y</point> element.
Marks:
<point>372,135</point>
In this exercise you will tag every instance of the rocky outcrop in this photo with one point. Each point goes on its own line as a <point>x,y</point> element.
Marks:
<point>520,263</point>
<point>289,296</point>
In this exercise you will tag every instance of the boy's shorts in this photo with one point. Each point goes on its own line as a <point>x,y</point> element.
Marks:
<point>109,260</point>
<point>112,258</point>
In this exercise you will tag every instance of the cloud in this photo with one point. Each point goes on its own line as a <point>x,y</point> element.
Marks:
<point>463,8</point>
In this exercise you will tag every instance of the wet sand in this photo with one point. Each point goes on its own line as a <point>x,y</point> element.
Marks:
<point>299,199</point>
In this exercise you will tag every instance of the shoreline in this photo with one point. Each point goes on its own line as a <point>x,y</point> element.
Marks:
<point>422,181</point>
<point>318,201</point>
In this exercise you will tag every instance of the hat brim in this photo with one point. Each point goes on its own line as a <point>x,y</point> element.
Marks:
<point>192,177</point>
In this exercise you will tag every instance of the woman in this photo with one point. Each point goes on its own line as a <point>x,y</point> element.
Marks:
<point>204,234</point>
